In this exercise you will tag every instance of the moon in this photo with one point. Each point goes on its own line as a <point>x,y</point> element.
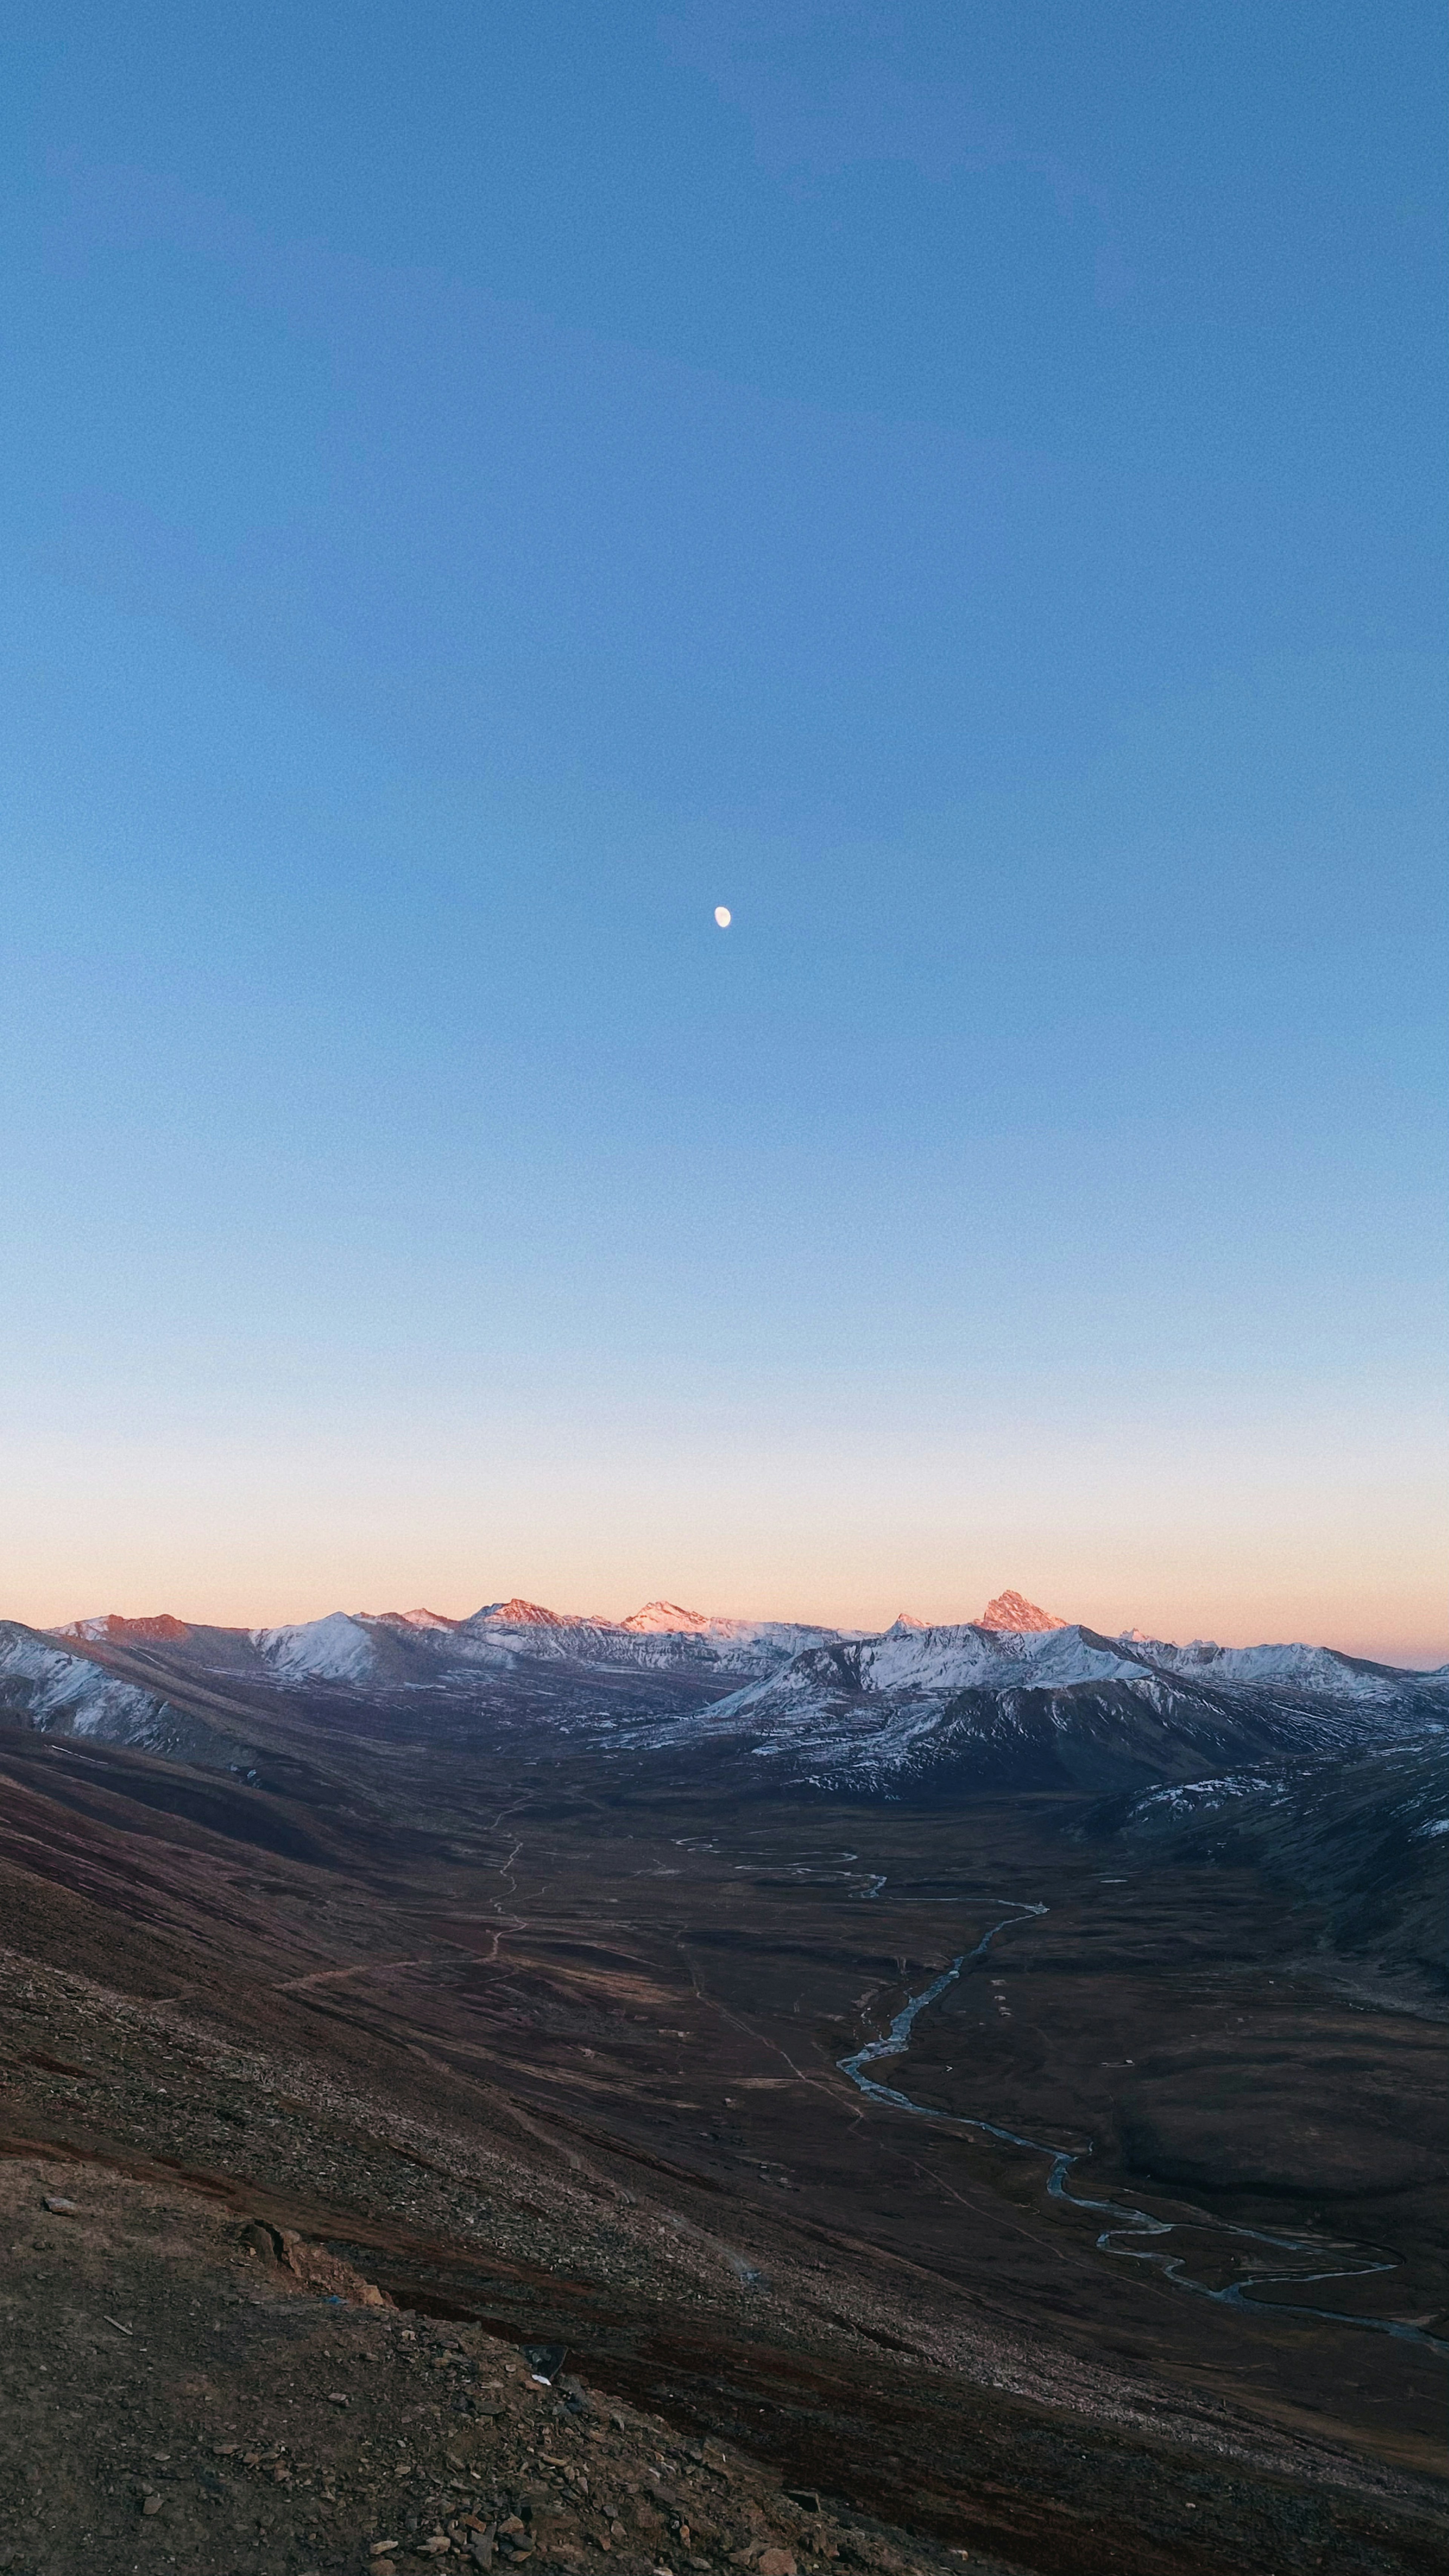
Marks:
<point>722,915</point>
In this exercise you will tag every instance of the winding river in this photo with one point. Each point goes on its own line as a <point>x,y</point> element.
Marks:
<point>1136,2235</point>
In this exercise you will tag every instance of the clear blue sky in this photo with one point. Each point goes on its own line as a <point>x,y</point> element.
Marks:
<point>962,486</point>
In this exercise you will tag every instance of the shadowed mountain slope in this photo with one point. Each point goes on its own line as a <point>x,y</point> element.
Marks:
<point>1032,1702</point>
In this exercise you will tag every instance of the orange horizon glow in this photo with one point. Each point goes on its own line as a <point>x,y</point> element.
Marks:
<point>1262,1538</point>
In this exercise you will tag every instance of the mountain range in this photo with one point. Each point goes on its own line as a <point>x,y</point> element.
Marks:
<point>1017,1699</point>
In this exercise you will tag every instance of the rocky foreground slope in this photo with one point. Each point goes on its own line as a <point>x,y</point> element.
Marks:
<point>198,2372</point>
<point>254,2403</point>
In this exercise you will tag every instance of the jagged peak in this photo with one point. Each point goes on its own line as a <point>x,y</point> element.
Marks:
<point>1012,1610</point>
<point>904,1625</point>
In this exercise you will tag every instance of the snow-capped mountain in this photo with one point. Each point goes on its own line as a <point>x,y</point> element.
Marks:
<point>337,1649</point>
<point>661,1637</point>
<point>1018,1697</point>
<point>112,1627</point>
<point>373,1653</point>
<point>665,1618</point>
<point>518,1613</point>
<point>1061,1706</point>
<point>50,1687</point>
<point>1312,1668</point>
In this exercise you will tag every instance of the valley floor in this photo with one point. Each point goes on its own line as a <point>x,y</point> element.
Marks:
<point>555,2065</point>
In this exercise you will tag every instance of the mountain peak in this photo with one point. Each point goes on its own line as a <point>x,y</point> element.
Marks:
<point>904,1625</point>
<point>518,1613</point>
<point>663,1617</point>
<point>1009,1610</point>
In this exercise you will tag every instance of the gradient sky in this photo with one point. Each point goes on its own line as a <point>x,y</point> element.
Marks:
<point>961,485</point>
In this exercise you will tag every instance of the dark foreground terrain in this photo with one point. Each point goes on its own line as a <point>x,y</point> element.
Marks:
<point>549,2050</point>
<point>247,2413</point>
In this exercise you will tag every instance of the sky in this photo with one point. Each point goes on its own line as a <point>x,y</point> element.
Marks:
<point>960,486</point>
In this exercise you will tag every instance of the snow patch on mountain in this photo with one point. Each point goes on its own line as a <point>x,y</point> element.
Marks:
<point>1192,1797</point>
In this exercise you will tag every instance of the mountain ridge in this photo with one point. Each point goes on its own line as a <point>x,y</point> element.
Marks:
<point>1019,1699</point>
<point>1009,1613</point>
